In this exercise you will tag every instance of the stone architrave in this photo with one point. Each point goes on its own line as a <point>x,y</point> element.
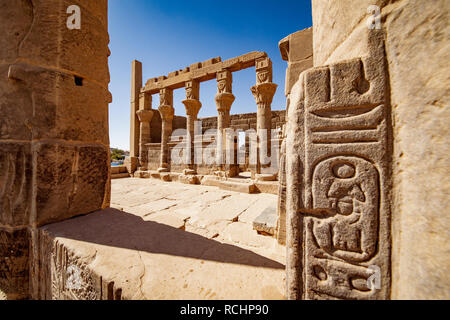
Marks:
<point>224,100</point>
<point>338,180</point>
<point>192,105</point>
<point>263,91</point>
<point>167,112</point>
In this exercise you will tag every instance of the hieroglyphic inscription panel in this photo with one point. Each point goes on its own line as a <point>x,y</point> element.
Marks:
<point>347,170</point>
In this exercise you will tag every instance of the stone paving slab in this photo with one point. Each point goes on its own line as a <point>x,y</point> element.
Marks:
<point>178,241</point>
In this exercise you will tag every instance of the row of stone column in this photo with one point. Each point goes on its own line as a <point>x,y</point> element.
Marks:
<point>263,92</point>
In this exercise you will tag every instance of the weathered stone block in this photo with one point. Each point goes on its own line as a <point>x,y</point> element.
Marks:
<point>15,183</point>
<point>188,179</point>
<point>301,45</point>
<point>15,103</point>
<point>14,265</point>
<point>50,42</point>
<point>70,180</point>
<point>293,72</point>
<point>53,92</point>
<point>266,222</point>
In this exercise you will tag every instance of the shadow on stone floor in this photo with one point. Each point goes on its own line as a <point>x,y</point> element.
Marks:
<point>112,227</point>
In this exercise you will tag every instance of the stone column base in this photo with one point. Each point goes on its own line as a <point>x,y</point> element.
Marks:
<point>131,163</point>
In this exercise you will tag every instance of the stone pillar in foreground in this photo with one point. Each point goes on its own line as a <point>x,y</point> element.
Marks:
<point>192,105</point>
<point>297,50</point>
<point>338,152</point>
<point>54,144</point>
<point>263,91</point>
<point>167,113</point>
<point>224,100</point>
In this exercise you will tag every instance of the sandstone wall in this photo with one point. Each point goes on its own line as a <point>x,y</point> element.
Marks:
<point>179,122</point>
<point>244,121</point>
<point>297,50</point>
<point>54,138</point>
<point>418,55</point>
<point>238,121</point>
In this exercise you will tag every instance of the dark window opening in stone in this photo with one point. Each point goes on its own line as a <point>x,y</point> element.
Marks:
<point>78,81</point>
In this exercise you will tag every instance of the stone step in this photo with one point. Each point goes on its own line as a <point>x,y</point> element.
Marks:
<point>267,186</point>
<point>266,222</point>
<point>120,175</point>
<point>230,185</point>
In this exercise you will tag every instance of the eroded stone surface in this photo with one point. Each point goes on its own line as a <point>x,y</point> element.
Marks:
<point>54,143</point>
<point>70,180</point>
<point>14,251</point>
<point>340,197</point>
<point>266,222</point>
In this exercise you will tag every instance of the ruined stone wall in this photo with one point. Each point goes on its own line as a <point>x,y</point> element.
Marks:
<point>412,137</point>
<point>244,121</point>
<point>238,121</point>
<point>179,122</point>
<point>54,98</point>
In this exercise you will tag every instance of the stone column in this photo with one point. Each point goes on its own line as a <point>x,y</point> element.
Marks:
<point>297,50</point>
<point>167,112</point>
<point>55,158</point>
<point>136,84</point>
<point>145,115</point>
<point>192,105</point>
<point>224,100</point>
<point>263,93</point>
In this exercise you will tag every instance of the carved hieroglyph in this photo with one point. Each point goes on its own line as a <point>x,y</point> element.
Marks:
<point>338,197</point>
<point>64,275</point>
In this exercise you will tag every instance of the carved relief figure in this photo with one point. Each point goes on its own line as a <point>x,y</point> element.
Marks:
<point>346,188</point>
<point>342,228</point>
<point>165,97</point>
<point>224,81</point>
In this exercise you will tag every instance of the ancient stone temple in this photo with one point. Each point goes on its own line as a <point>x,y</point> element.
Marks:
<point>153,144</point>
<point>343,194</point>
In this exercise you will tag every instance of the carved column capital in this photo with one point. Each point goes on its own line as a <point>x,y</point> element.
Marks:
<point>145,115</point>
<point>145,101</point>
<point>167,112</point>
<point>224,101</point>
<point>192,107</point>
<point>264,93</point>
<point>263,68</point>
<point>192,90</point>
<point>224,81</point>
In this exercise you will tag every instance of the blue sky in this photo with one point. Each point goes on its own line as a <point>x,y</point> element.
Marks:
<point>170,35</point>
